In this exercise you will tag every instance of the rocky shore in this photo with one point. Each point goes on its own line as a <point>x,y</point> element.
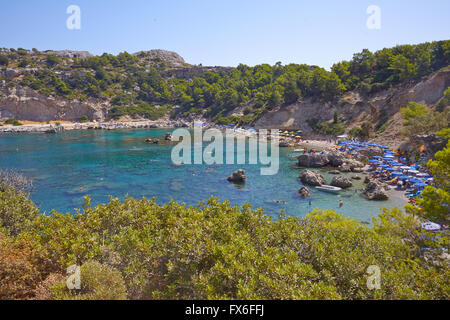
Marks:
<point>69,126</point>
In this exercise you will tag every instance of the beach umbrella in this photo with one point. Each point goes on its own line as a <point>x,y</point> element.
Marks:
<point>414,171</point>
<point>396,173</point>
<point>430,226</point>
<point>405,168</point>
<point>374,161</point>
<point>391,169</point>
<point>420,184</point>
<point>422,175</point>
<point>404,177</point>
<point>383,166</point>
<point>413,180</point>
<point>377,157</point>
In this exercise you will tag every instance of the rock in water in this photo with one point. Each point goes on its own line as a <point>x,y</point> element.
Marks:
<point>237,176</point>
<point>375,190</point>
<point>341,182</point>
<point>304,192</point>
<point>312,178</point>
<point>168,136</point>
<point>310,160</point>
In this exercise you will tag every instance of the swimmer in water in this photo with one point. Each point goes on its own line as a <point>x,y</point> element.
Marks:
<point>310,203</point>
<point>341,204</point>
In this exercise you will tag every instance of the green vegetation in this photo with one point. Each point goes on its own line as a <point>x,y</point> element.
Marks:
<point>83,119</point>
<point>362,132</point>
<point>14,122</point>
<point>327,128</point>
<point>444,102</point>
<point>419,119</point>
<point>137,249</point>
<point>370,72</point>
<point>130,81</point>
<point>436,200</point>
<point>3,60</point>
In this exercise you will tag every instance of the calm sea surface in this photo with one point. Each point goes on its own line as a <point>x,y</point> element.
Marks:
<point>119,162</point>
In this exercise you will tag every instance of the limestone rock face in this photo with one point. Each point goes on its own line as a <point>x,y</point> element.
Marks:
<point>341,182</point>
<point>237,176</point>
<point>312,178</point>
<point>304,192</point>
<point>375,190</point>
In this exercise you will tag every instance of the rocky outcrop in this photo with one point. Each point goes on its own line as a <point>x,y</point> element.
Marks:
<point>375,190</point>
<point>158,55</point>
<point>336,158</point>
<point>304,192</point>
<point>168,136</point>
<point>237,176</point>
<point>431,142</point>
<point>311,160</point>
<point>333,159</point>
<point>312,178</point>
<point>341,182</point>
<point>70,54</point>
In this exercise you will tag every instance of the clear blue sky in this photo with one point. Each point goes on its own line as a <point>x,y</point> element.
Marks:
<point>225,32</point>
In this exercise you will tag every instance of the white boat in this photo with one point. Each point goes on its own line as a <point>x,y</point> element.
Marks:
<point>327,188</point>
<point>299,150</point>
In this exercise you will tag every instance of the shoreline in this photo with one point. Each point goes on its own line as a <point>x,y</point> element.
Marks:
<point>92,125</point>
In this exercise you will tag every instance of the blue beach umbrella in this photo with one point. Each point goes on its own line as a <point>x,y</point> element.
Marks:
<point>404,177</point>
<point>396,173</point>
<point>383,166</point>
<point>420,184</point>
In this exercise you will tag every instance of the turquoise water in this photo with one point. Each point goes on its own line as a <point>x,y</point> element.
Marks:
<point>119,162</point>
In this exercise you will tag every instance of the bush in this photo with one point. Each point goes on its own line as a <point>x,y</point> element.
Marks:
<point>14,122</point>
<point>3,60</point>
<point>98,282</point>
<point>83,119</point>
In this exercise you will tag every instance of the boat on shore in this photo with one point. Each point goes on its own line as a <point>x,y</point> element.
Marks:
<point>329,189</point>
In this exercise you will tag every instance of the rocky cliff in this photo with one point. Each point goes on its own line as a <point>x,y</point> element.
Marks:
<point>380,108</point>
<point>27,104</point>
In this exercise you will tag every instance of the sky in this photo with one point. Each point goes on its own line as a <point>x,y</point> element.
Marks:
<point>225,32</point>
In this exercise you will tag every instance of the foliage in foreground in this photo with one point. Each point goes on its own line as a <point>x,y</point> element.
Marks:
<point>142,250</point>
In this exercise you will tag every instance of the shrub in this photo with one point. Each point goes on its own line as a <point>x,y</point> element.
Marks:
<point>83,119</point>
<point>98,282</point>
<point>3,60</point>
<point>14,122</point>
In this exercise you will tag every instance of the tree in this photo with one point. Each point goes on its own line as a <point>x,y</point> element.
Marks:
<point>436,200</point>
<point>52,60</point>
<point>4,60</point>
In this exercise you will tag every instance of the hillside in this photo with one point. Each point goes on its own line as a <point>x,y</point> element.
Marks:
<point>372,87</point>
